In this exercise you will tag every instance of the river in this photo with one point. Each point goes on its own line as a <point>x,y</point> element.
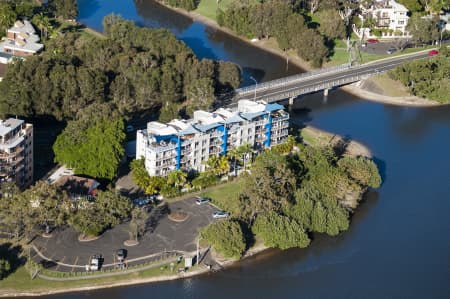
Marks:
<point>398,245</point>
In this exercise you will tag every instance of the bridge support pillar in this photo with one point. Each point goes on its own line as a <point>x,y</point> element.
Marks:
<point>325,92</point>
<point>291,101</point>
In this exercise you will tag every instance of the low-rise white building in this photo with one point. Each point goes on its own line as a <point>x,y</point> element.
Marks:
<point>187,144</point>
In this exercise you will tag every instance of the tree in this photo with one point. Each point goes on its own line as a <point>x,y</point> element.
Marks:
<point>91,148</point>
<point>50,205</point>
<point>43,23</point>
<point>15,211</point>
<point>177,178</point>
<point>201,93</point>
<point>226,237</point>
<point>217,165</point>
<point>66,9</point>
<point>362,170</point>
<point>331,24</point>
<point>139,173</point>
<point>107,210</point>
<point>422,30</point>
<point>7,17</point>
<point>138,223</point>
<point>279,231</point>
<point>310,45</point>
<point>269,187</point>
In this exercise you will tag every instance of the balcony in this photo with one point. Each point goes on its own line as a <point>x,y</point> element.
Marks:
<point>215,134</point>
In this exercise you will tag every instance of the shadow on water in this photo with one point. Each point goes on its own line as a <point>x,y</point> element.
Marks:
<point>381,164</point>
<point>200,49</point>
<point>93,6</point>
<point>155,15</point>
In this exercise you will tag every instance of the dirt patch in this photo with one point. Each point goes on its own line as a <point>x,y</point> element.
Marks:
<point>178,216</point>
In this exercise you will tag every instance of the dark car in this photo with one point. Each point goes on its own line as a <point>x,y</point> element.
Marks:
<point>202,200</point>
<point>391,50</point>
<point>143,201</point>
<point>121,254</point>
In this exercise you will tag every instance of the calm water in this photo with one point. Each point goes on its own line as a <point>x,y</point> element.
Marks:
<point>399,241</point>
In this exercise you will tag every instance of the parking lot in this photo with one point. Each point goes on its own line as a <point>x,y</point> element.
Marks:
<point>165,235</point>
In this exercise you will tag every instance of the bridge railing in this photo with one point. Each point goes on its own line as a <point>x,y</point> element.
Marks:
<point>290,79</point>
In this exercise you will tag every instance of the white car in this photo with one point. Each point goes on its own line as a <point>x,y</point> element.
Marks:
<point>202,200</point>
<point>220,214</point>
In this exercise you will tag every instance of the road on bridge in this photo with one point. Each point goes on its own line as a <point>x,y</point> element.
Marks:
<point>293,87</point>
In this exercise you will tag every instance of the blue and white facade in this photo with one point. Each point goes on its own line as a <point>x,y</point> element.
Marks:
<point>186,144</point>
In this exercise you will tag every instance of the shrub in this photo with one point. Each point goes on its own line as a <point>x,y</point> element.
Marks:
<point>226,237</point>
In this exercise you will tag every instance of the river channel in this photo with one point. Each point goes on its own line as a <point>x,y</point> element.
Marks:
<point>398,245</point>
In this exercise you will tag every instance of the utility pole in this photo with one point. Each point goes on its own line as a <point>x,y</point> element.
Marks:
<point>198,250</point>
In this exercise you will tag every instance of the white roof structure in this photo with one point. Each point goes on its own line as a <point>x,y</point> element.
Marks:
<point>26,39</point>
<point>9,125</point>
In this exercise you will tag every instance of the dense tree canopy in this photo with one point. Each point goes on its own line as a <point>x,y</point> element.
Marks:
<point>226,237</point>
<point>132,70</point>
<point>66,9</point>
<point>92,147</point>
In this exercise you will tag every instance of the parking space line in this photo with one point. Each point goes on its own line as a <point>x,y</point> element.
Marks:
<point>57,266</point>
<point>75,263</point>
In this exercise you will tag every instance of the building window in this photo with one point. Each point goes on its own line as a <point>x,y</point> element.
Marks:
<point>401,22</point>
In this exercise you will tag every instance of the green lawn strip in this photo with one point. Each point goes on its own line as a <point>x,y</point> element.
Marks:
<point>208,8</point>
<point>21,280</point>
<point>225,197</point>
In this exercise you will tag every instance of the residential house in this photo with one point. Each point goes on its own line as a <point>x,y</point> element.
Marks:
<point>21,40</point>
<point>389,16</point>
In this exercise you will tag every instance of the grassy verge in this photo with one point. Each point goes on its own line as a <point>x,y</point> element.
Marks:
<point>225,196</point>
<point>20,280</point>
<point>208,8</point>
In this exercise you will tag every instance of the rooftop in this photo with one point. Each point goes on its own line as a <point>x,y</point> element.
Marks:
<point>204,121</point>
<point>26,38</point>
<point>8,125</point>
<point>77,185</point>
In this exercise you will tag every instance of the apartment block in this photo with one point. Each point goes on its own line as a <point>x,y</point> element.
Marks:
<point>16,152</point>
<point>187,144</point>
<point>21,40</point>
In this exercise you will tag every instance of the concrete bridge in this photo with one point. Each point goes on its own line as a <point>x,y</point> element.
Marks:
<point>318,80</point>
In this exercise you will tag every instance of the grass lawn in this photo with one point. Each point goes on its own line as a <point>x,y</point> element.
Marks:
<point>20,280</point>
<point>225,196</point>
<point>208,8</point>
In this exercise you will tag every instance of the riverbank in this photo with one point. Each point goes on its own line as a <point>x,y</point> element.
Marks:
<point>270,45</point>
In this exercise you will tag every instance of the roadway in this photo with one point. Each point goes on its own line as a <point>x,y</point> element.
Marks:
<point>320,81</point>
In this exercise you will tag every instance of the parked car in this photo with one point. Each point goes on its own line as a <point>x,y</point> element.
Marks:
<point>143,201</point>
<point>373,41</point>
<point>391,50</point>
<point>129,129</point>
<point>121,254</point>
<point>94,263</point>
<point>220,214</point>
<point>433,52</point>
<point>202,200</point>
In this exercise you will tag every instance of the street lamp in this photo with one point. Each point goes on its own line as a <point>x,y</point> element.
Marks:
<point>256,85</point>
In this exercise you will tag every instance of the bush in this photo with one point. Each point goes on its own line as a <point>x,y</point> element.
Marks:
<point>226,237</point>
<point>362,170</point>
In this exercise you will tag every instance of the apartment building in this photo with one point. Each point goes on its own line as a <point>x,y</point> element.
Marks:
<point>21,40</point>
<point>187,144</point>
<point>16,152</point>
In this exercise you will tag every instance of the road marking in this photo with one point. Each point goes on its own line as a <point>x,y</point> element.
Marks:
<point>57,266</point>
<point>75,263</point>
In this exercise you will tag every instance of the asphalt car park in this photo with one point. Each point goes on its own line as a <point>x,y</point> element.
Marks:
<point>67,253</point>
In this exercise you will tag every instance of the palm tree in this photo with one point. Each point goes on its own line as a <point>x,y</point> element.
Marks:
<point>245,150</point>
<point>217,165</point>
<point>234,155</point>
<point>177,178</point>
<point>43,23</point>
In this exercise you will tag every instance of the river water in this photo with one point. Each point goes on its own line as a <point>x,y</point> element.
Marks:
<point>398,245</point>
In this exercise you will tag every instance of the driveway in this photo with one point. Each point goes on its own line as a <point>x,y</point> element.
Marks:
<point>166,235</point>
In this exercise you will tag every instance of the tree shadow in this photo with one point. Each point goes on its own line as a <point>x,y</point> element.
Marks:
<point>156,214</point>
<point>12,254</point>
